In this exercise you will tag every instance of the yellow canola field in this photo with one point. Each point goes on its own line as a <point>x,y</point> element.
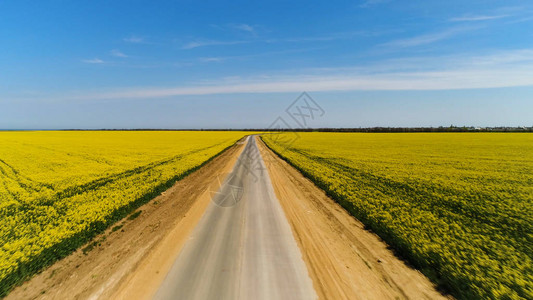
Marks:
<point>459,206</point>
<point>59,189</point>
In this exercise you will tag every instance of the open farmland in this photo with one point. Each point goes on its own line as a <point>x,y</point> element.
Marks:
<point>458,206</point>
<point>59,189</point>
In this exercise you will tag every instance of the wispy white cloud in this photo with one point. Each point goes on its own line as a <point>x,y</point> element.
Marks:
<point>134,39</point>
<point>501,69</point>
<point>521,20</point>
<point>248,29</point>
<point>506,12</point>
<point>256,55</point>
<point>205,43</point>
<point>430,38</point>
<point>118,53</point>
<point>211,59</point>
<point>477,18</point>
<point>329,37</point>
<point>93,61</point>
<point>515,57</point>
<point>322,38</point>
<point>243,27</point>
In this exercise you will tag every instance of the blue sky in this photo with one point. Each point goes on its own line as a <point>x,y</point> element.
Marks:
<point>210,64</point>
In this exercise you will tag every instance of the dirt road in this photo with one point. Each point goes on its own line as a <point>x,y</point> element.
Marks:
<point>243,247</point>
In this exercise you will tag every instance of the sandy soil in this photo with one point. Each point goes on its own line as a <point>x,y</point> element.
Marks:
<point>344,260</point>
<point>131,262</point>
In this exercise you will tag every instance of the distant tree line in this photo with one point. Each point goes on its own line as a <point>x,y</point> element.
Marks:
<point>409,129</point>
<point>427,129</point>
<point>451,128</point>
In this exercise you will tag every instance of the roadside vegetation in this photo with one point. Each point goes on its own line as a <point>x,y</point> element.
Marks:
<point>60,189</point>
<point>459,206</point>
